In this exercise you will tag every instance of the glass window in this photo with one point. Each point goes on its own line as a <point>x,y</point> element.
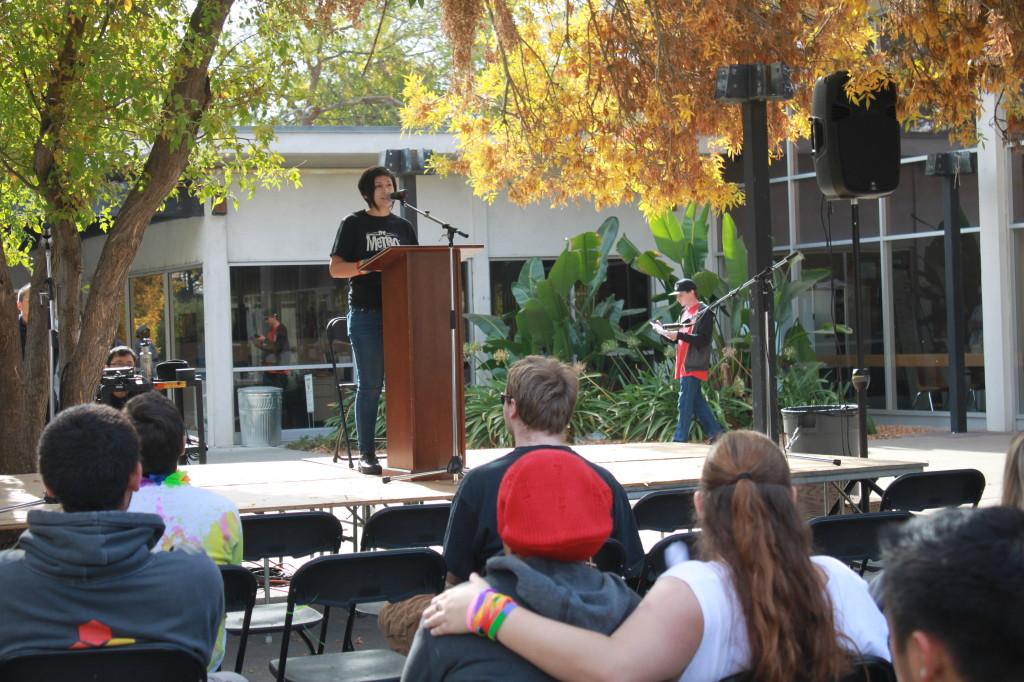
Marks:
<point>622,281</point>
<point>805,160</point>
<point>919,299</point>
<point>777,168</point>
<point>148,306</point>
<point>917,204</point>
<point>304,298</point>
<point>294,409</point>
<point>821,220</point>
<point>778,215</point>
<point>831,302</point>
<point>187,332</point>
<point>779,204</point>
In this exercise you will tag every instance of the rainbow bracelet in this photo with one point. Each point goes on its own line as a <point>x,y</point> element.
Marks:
<point>499,620</point>
<point>490,613</point>
<point>475,605</point>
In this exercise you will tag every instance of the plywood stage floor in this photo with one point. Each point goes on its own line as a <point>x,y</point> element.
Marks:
<point>318,483</point>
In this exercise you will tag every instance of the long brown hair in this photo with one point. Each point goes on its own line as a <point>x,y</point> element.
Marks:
<point>1013,474</point>
<point>751,524</point>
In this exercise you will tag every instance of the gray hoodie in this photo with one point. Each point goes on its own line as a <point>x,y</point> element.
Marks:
<point>572,593</point>
<point>89,579</point>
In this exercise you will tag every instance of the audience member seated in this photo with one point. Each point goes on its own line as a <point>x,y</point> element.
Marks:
<point>1013,474</point>
<point>194,517</point>
<point>953,596</point>
<point>554,513</point>
<point>87,577</point>
<point>538,402</point>
<point>759,603</point>
<point>539,398</point>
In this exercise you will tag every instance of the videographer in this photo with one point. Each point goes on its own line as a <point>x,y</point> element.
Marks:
<point>120,379</point>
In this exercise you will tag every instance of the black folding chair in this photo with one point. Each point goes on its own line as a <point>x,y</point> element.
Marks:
<point>344,581</point>
<point>239,596</point>
<point>337,337</point>
<point>666,510</point>
<point>150,662</point>
<point>411,525</point>
<point>865,669</point>
<point>293,534</point>
<point>934,490</point>
<point>611,558</point>
<point>853,538</point>
<point>655,563</point>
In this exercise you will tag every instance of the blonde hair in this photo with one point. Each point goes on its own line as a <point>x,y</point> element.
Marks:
<point>1013,474</point>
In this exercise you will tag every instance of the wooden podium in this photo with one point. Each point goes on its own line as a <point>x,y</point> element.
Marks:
<point>425,407</point>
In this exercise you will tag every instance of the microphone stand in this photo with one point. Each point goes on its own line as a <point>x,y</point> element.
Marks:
<point>44,500</point>
<point>456,465</point>
<point>53,330</point>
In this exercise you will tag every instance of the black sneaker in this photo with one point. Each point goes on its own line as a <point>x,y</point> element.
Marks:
<point>369,465</point>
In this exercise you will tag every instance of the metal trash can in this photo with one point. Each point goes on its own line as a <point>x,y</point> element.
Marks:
<point>259,416</point>
<point>822,429</point>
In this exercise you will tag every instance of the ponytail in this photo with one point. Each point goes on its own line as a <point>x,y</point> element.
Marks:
<point>751,524</point>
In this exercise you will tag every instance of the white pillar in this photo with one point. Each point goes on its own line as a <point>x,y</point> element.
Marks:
<point>480,264</point>
<point>217,330</point>
<point>997,289</point>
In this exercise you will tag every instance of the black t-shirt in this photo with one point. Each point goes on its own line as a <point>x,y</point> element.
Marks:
<point>361,236</point>
<point>472,535</point>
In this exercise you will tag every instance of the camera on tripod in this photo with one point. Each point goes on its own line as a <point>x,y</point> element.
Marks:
<point>125,382</point>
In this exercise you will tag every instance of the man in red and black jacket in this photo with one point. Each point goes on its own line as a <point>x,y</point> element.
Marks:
<point>693,357</point>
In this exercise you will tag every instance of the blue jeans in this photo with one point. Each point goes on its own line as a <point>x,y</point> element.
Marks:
<point>366,332</point>
<point>692,404</point>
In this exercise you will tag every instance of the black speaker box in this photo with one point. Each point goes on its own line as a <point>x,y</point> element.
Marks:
<point>856,149</point>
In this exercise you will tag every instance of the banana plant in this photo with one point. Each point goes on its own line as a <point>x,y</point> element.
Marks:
<point>559,313</point>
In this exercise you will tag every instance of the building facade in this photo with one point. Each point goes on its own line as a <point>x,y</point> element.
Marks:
<point>205,283</point>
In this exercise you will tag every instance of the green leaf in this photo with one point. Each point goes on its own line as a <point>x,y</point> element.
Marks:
<point>493,327</point>
<point>735,253</point>
<point>668,235</point>
<point>651,264</point>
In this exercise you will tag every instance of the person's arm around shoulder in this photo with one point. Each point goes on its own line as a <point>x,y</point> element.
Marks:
<point>656,642</point>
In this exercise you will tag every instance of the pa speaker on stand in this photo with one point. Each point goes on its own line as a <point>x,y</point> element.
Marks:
<point>856,150</point>
<point>856,147</point>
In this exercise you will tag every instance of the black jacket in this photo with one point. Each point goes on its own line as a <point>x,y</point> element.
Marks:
<point>698,356</point>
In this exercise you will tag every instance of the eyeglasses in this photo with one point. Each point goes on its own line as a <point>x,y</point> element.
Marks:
<point>506,398</point>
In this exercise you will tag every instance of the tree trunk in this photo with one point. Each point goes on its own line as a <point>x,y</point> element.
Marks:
<point>24,397</point>
<point>85,335</point>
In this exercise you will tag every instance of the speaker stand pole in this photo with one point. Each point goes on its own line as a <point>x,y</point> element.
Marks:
<point>860,377</point>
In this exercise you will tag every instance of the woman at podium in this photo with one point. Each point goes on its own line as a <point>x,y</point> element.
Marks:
<point>361,236</point>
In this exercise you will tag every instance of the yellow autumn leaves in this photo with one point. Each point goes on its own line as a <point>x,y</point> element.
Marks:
<point>608,102</point>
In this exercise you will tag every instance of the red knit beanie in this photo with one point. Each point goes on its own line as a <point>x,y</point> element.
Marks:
<point>551,504</point>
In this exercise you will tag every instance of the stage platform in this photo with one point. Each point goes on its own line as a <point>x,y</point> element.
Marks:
<point>318,483</point>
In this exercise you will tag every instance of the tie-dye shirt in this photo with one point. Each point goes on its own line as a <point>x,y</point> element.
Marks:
<point>197,518</point>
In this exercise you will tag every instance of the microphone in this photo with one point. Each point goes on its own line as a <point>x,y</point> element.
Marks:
<point>399,195</point>
<point>793,257</point>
